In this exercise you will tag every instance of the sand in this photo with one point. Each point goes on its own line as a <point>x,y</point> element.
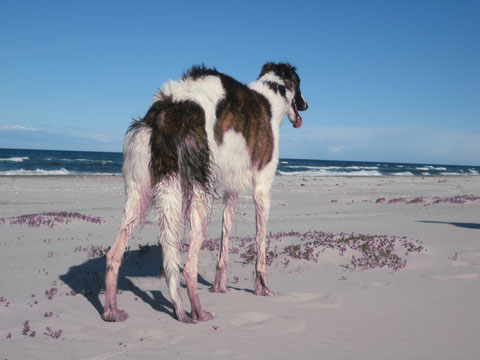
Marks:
<point>51,274</point>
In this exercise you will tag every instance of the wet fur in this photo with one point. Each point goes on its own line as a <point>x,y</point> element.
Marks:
<point>206,133</point>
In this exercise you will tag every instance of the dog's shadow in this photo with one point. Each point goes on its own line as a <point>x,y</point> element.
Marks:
<point>88,279</point>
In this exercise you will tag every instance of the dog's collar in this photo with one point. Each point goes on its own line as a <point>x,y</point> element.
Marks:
<point>276,87</point>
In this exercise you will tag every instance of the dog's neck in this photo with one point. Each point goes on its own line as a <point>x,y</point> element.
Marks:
<point>276,87</point>
<point>274,82</point>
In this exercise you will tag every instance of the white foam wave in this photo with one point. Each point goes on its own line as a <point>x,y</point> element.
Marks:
<point>430,167</point>
<point>322,172</point>
<point>451,174</point>
<point>314,167</point>
<point>82,160</point>
<point>362,167</point>
<point>15,159</point>
<point>42,172</point>
<point>332,167</point>
<point>404,173</point>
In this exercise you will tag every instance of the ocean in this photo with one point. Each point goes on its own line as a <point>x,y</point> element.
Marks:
<point>56,163</point>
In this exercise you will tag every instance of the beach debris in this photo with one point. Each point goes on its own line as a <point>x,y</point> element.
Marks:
<point>418,200</point>
<point>454,257</point>
<point>3,300</point>
<point>397,200</point>
<point>27,330</point>
<point>50,219</point>
<point>375,251</point>
<point>460,199</point>
<point>143,249</point>
<point>51,293</point>
<point>54,334</point>
<point>97,251</point>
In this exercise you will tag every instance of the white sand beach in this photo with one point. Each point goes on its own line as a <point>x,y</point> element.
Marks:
<point>52,269</point>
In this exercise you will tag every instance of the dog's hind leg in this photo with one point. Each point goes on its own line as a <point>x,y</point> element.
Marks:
<point>261,199</point>
<point>114,260</point>
<point>200,207</point>
<point>221,273</point>
<point>137,203</point>
<point>167,196</point>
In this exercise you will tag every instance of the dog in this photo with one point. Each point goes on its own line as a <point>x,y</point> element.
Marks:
<point>203,134</point>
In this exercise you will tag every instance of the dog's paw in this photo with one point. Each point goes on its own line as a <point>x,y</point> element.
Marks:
<point>218,289</point>
<point>263,291</point>
<point>114,315</point>
<point>202,316</point>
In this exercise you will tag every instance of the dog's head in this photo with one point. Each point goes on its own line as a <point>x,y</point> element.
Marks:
<point>288,74</point>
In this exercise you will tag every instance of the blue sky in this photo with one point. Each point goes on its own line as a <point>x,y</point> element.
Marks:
<point>385,80</point>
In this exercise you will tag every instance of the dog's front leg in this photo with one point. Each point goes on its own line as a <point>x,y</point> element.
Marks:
<point>261,199</point>
<point>221,273</point>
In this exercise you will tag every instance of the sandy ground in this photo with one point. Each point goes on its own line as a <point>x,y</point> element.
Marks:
<point>51,274</point>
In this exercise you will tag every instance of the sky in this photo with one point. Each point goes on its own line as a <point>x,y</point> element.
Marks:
<point>393,81</point>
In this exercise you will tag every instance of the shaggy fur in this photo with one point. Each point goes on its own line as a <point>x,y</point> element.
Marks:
<point>204,134</point>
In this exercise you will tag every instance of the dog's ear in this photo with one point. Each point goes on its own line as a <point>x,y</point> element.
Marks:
<point>284,71</point>
<point>268,67</point>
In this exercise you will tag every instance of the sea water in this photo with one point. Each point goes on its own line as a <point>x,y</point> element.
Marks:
<point>53,162</point>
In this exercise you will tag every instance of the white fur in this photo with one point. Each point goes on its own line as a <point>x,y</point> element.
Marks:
<point>136,172</point>
<point>233,170</point>
<point>206,92</point>
<point>167,200</point>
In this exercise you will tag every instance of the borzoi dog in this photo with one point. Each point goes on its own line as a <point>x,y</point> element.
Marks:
<point>203,134</point>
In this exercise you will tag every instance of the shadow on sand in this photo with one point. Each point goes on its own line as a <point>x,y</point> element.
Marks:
<point>457,224</point>
<point>88,279</point>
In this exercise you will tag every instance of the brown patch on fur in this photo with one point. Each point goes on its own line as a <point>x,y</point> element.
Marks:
<point>179,143</point>
<point>247,112</point>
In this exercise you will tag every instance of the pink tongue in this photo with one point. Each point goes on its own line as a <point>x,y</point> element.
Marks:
<point>299,118</point>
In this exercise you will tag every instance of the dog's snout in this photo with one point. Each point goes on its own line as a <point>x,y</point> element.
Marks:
<point>300,102</point>
<point>303,104</point>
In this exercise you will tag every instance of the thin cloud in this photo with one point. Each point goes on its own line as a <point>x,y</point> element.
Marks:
<point>384,143</point>
<point>101,138</point>
<point>22,137</point>
<point>17,128</point>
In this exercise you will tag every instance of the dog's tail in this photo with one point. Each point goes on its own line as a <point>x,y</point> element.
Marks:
<point>170,158</point>
<point>136,172</point>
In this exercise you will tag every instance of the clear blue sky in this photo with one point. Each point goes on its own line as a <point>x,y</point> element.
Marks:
<point>385,80</point>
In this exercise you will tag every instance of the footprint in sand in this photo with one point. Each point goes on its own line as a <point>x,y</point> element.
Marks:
<point>278,323</point>
<point>379,283</point>
<point>160,338</point>
<point>311,300</point>
<point>454,276</point>
<point>273,324</point>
